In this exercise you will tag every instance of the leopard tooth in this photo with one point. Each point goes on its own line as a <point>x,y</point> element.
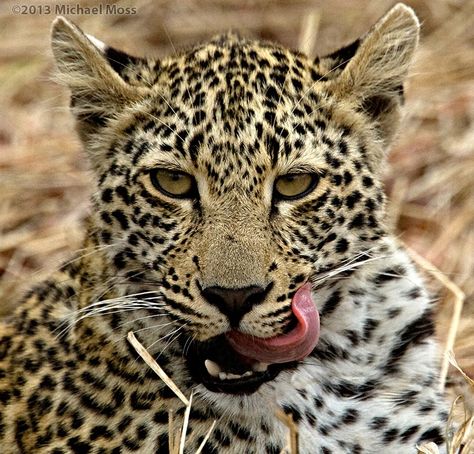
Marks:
<point>213,368</point>
<point>215,371</point>
<point>259,367</point>
<point>231,376</point>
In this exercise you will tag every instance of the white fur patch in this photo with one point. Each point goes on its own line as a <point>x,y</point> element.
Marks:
<point>97,42</point>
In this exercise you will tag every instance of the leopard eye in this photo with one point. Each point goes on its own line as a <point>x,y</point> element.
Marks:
<point>295,185</point>
<point>172,183</point>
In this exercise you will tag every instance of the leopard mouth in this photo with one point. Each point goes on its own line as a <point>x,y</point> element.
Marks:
<point>239,363</point>
<point>216,365</point>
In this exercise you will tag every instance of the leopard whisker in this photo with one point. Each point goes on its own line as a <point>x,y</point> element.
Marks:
<point>187,344</point>
<point>170,342</point>
<point>352,264</point>
<point>108,305</point>
<point>161,325</point>
<point>142,318</point>
<point>121,304</point>
<point>125,297</point>
<point>71,321</point>
<point>88,251</point>
<point>170,334</point>
<point>111,283</point>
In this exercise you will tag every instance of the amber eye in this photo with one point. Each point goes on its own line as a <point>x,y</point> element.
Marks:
<point>172,183</point>
<point>295,185</point>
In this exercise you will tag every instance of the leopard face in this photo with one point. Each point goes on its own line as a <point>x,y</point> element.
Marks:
<point>233,174</point>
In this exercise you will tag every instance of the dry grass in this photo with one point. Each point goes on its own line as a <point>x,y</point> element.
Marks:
<point>177,436</point>
<point>44,182</point>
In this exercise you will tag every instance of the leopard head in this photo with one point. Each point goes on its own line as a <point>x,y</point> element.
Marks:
<point>231,175</point>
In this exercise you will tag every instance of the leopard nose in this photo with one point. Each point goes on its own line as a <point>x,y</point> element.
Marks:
<point>235,303</point>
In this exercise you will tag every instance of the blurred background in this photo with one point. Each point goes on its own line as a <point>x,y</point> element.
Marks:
<point>44,180</point>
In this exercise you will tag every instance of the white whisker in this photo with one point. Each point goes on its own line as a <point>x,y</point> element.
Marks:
<point>348,265</point>
<point>126,303</point>
<point>170,334</point>
<point>142,318</point>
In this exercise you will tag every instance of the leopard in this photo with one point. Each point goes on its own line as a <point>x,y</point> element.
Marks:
<point>238,230</point>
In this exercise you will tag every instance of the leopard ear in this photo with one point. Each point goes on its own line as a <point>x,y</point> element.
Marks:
<point>374,75</point>
<point>94,74</point>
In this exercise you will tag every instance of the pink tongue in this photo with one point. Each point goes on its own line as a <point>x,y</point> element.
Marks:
<point>295,345</point>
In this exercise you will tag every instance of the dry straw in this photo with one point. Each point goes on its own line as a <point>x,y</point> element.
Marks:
<point>177,438</point>
<point>292,443</point>
<point>459,435</point>
<point>457,300</point>
<point>142,351</point>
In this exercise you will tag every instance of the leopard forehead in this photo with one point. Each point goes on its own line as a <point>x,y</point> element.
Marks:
<point>236,95</point>
<point>237,111</point>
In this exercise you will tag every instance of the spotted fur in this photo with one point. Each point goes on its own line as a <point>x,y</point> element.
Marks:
<point>235,114</point>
